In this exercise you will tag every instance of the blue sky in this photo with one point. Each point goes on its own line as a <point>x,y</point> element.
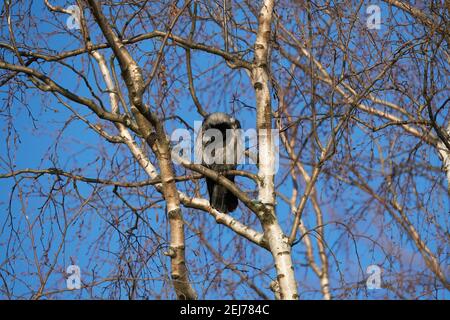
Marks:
<point>42,138</point>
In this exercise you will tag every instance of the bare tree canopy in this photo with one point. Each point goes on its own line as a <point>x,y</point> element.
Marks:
<point>344,185</point>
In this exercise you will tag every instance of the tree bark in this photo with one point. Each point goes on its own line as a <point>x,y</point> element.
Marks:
<point>285,287</point>
<point>152,130</point>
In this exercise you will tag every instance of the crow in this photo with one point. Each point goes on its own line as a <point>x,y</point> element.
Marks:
<point>218,144</point>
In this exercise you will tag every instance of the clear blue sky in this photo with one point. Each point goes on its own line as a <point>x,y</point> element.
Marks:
<point>33,143</point>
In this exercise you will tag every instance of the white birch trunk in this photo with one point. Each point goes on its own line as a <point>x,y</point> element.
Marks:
<point>285,286</point>
<point>445,157</point>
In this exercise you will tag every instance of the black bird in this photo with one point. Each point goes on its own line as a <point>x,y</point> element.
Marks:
<point>219,155</point>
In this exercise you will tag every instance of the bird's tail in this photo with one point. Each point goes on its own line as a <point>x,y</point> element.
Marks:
<point>220,198</point>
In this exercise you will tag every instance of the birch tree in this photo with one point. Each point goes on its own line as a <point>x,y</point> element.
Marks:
<point>357,175</point>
